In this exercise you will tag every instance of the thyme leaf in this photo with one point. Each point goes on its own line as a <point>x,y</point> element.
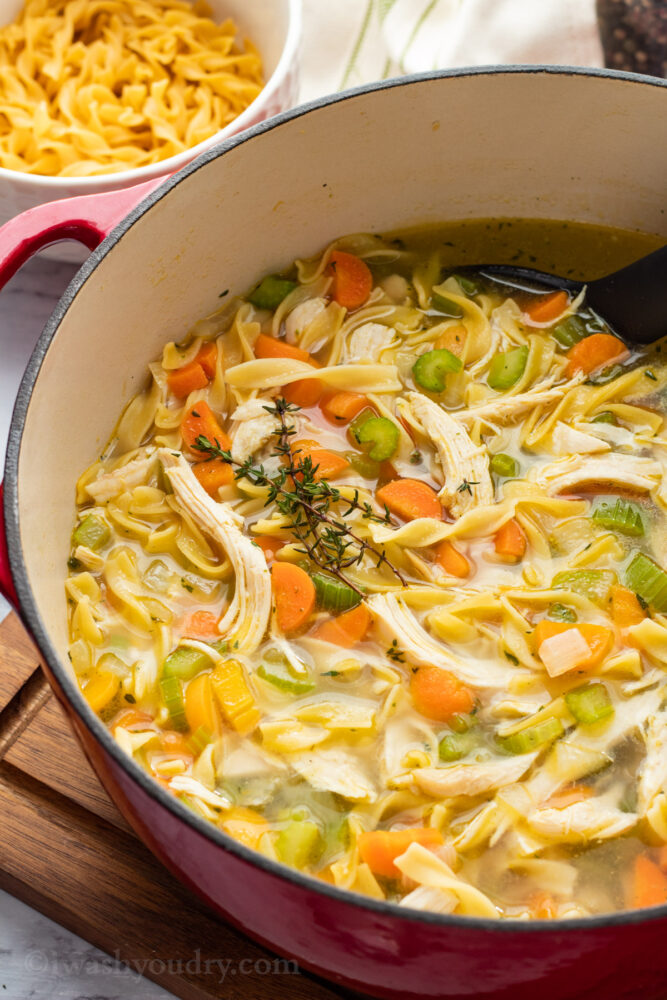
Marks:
<point>316,512</point>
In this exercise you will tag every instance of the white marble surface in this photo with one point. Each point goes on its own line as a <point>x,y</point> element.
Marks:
<point>38,959</point>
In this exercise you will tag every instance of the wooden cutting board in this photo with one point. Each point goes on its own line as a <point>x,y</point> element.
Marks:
<point>65,850</point>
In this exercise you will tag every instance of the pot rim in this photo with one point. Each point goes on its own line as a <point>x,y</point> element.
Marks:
<point>32,616</point>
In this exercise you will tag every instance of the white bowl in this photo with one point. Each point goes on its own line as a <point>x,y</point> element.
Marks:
<point>274,27</point>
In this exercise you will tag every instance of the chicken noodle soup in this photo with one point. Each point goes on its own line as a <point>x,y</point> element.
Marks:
<point>371,576</point>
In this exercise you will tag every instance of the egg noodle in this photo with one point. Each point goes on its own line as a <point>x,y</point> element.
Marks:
<point>371,575</point>
<point>97,86</point>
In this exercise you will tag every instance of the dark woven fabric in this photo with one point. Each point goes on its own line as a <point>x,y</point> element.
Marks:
<point>634,35</point>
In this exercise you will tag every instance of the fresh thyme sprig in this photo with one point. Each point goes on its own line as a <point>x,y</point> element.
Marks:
<point>466,487</point>
<point>310,505</point>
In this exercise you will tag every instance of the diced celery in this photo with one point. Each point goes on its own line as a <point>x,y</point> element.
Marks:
<point>299,843</point>
<point>468,285</point>
<point>507,368</point>
<point>382,434</point>
<point>271,291</point>
<point>363,464</point>
<point>453,746</point>
<point>276,670</point>
<point>589,703</point>
<point>92,532</point>
<point>185,662</point>
<point>595,584</point>
<point>359,421</point>
<point>606,375</point>
<point>334,595</point>
<point>623,516</point>
<point>605,417</point>
<point>462,723</point>
<point>172,694</point>
<point>504,465</point>
<point>446,306</point>
<point>430,370</point>
<point>648,581</point>
<point>570,331</point>
<point>561,613</point>
<point>200,740</point>
<point>535,736</point>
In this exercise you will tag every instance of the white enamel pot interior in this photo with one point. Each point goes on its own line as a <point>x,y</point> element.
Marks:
<point>561,144</point>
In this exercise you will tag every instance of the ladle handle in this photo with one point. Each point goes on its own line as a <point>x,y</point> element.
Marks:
<point>634,299</point>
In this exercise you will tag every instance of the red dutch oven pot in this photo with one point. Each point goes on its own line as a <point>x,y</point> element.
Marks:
<point>510,142</point>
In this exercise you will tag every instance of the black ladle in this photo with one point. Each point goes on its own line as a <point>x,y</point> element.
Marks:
<point>632,301</point>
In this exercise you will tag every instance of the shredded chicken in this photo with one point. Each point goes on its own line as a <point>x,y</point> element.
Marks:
<point>463,463</point>
<point>398,623</point>
<point>621,470</point>
<point>591,819</point>
<point>336,771</point>
<point>247,616</point>
<point>251,428</point>
<point>653,773</point>
<point>368,341</point>
<point>472,779</point>
<point>570,441</point>
<point>301,317</point>
<point>424,897</point>
<point>507,407</point>
<point>125,477</point>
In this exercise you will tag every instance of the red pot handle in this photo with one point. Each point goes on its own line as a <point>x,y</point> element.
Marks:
<point>88,219</point>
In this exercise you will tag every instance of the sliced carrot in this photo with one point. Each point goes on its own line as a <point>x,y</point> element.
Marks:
<point>598,637</point>
<point>185,380</point>
<point>207,357</point>
<point>270,546</point>
<point>343,406</point>
<point>132,718</point>
<point>510,541</point>
<point>200,421</point>
<point>649,883</point>
<point>233,694</point>
<point>352,279</point>
<point>595,352</point>
<point>196,374</point>
<point>452,339</point>
<point>543,906</point>
<point>213,474</point>
<point>175,744</point>
<point>200,625</point>
<point>271,347</point>
<point>439,695</point>
<point>101,690</point>
<point>245,825</point>
<point>625,608</point>
<point>380,848</point>
<point>327,464</point>
<point>409,499</point>
<point>200,708</point>
<point>347,629</point>
<point>304,392</point>
<point>547,307</point>
<point>451,560</point>
<point>293,595</point>
<point>662,857</point>
<point>560,800</point>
